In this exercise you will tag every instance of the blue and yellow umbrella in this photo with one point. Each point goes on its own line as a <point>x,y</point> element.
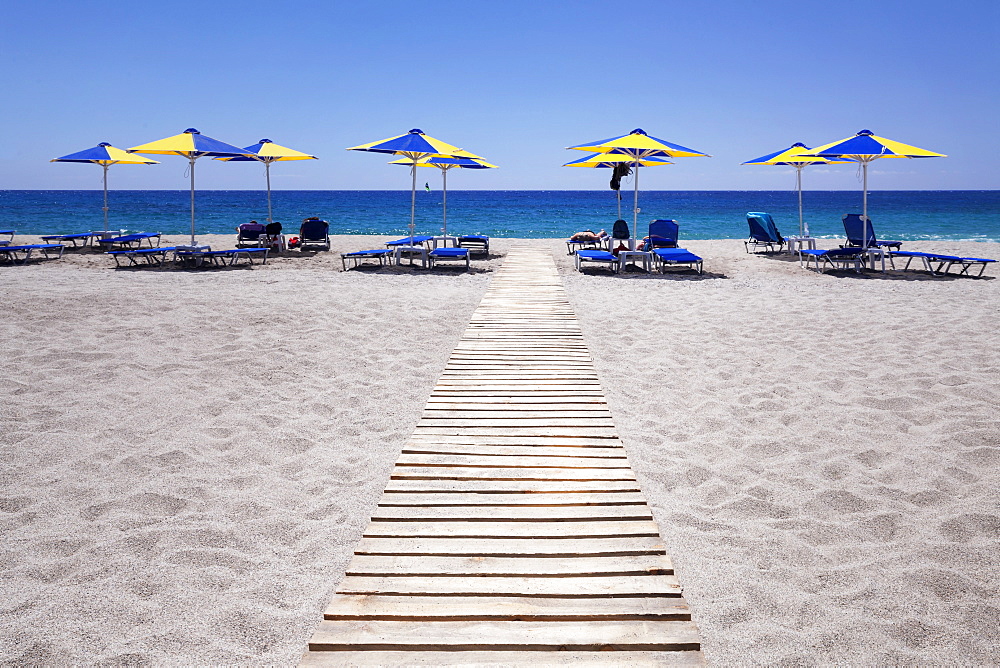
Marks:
<point>192,145</point>
<point>612,161</point>
<point>415,146</point>
<point>638,145</point>
<point>865,147</point>
<point>105,154</point>
<point>267,151</point>
<point>794,156</point>
<point>446,165</point>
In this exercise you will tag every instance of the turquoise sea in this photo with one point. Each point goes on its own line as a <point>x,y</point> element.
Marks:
<point>906,215</point>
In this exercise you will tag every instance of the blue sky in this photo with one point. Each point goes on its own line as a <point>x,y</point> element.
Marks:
<point>514,81</point>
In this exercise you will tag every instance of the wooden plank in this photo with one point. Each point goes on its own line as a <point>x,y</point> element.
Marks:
<point>589,513</point>
<point>594,529</point>
<point>517,487</point>
<point>521,566</point>
<point>491,449</point>
<point>479,659</point>
<point>484,585</point>
<point>511,547</point>
<point>501,438</point>
<point>475,608</point>
<point>470,499</point>
<point>554,432</point>
<point>471,473</point>
<point>501,461</point>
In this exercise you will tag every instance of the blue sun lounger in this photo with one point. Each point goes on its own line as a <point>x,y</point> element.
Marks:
<point>663,234</point>
<point>415,240</point>
<point>945,262</point>
<point>151,256</point>
<point>85,238</point>
<point>592,244</point>
<point>7,233</point>
<point>832,257</point>
<point>449,255</point>
<point>357,257</point>
<point>854,226</point>
<point>131,240</point>
<point>219,258</point>
<point>596,257</point>
<point>314,233</point>
<point>21,254</point>
<point>763,232</point>
<point>476,243</point>
<point>664,257</point>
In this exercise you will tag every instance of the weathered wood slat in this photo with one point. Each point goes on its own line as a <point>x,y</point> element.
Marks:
<point>510,547</point>
<point>481,659</point>
<point>469,499</point>
<point>490,450</point>
<point>588,513</point>
<point>456,529</point>
<point>534,567</point>
<point>529,488</point>
<point>519,461</point>
<point>484,585</point>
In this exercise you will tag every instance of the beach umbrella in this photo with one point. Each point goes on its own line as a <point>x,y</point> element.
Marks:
<point>446,165</point>
<point>612,161</point>
<point>866,147</point>
<point>415,146</point>
<point>638,145</point>
<point>105,154</point>
<point>793,156</point>
<point>267,151</point>
<point>192,145</point>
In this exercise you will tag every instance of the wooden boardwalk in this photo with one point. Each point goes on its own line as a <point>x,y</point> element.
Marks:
<point>512,531</point>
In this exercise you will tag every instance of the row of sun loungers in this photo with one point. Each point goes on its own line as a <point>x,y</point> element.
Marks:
<point>188,256</point>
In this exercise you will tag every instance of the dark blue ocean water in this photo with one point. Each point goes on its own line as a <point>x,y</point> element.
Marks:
<point>906,215</point>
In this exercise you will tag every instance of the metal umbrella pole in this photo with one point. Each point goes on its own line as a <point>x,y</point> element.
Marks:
<point>444,201</point>
<point>267,175</point>
<point>798,184</point>
<point>105,165</point>
<point>635,206</point>
<point>413,199</point>
<point>191,160</point>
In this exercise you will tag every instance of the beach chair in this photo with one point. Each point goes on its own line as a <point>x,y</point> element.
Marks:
<point>588,256</point>
<point>357,257</point>
<point>84,238</point>
<point>763,232</point>
<point>415,240</point>
<point>663,233</point>
<point>832,257</point>
<point>675,257</point>
<point>314,234</point>
<point>449,255</point>
<point>10,237</point>
<point>598,243</point>
<point>476,243</point>
<point>22,253</point>
<point>131,240</point>
<point>944,262</point>
<point>854,226</point>
<point>250,235</point>
<point>151,256</point>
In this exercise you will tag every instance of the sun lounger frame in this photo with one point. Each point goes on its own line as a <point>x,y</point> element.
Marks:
<point>585,255</point>
<point>11,252</point>
<point>476,243</point>
<point>357,257</point>
<point>9,234</point>
<point>126,241</point>
<point>944,262</point>
<point>449,255</point>
<point>832,257</point>
<point>675,257</point>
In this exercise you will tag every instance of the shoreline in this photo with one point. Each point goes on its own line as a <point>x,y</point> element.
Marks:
<point>192,455</point>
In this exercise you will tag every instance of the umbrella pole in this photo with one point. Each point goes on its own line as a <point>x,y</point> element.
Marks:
<point>444,194</point>
<point>267,174</point>
<point>618,195</point>
<point>864,206</point>
<point>635,206</point>
<point>413,198</point>
<point>192,159</point>
<point>105,200</point>
<point>798,183</point>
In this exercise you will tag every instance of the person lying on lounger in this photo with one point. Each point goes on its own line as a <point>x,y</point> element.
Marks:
<point>588,235</point>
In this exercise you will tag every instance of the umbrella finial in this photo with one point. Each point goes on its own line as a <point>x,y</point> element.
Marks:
<point>265,141</point>
<point>799,144</point>
<point>865,133</point>
<point>416,131</point>
<point>104,143</point>
<point>638,131</point>
<point>191,131</point>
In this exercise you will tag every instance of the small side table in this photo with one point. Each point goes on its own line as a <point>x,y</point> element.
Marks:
<point>410,251</point>
<point>795,244</point>
<point>874,254</point>
<point>642,256</point>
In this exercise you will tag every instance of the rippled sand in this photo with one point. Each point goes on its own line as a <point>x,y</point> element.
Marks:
<point>190,456</point>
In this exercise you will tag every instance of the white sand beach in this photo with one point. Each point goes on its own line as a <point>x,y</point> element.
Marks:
<point>189,456</point>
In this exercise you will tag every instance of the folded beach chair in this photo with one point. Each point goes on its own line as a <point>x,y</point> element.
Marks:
<point>763,232</point>
<point>357,257</point>
<point>10,237</point>
<point>131,240</point>
<point>945,262</point>
<point>314,234</point>
<point>832,257</point>
<point>250,235</point>
<point>151,256</point>
<point>854,226</point>
<point>664,257</point>
<point>662,234</point>
<point>449,255</point>
<point>476,243</point>
<point>415,240</point>
<point>22,253</point>
<point>596,257</point>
